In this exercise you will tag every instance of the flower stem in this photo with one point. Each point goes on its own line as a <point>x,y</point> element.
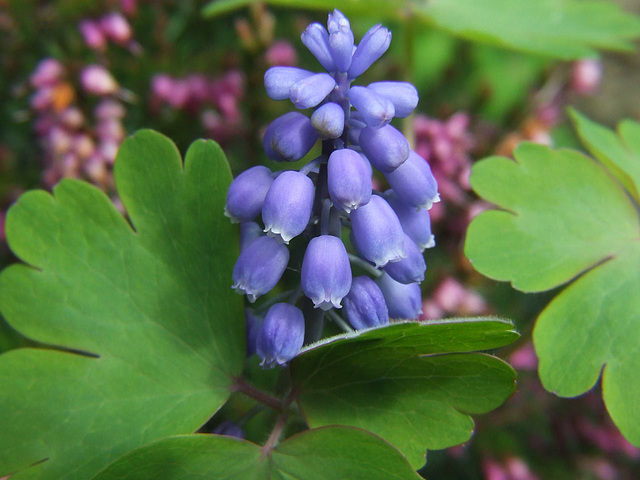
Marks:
<point>241,386</point>
<point>355,260</point>
<point>339,321</point>
<point>274,437</point>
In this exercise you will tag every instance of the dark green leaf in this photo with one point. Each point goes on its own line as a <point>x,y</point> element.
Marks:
<point>325,453</point>
<point>413,384</point>
<point>152,304</point>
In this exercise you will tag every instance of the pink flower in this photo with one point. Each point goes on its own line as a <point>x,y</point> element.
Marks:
<point>93,35</point>
<point>98,80</point>
<point>48,72</point>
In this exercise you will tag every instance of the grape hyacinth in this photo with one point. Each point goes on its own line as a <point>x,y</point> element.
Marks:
<point>389,231</point>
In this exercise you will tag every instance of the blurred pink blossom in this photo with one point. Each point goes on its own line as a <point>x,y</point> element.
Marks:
<point>48,72</point>
<point>586,75</point>
<point>116,28</point>
<point>281,53</point>
<point>93,35</point>
<point>97,80</point>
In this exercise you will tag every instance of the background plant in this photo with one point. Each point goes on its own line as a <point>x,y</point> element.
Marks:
<point>451,75</point>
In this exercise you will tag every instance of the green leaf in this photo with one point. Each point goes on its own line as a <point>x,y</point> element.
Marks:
<point>412,383</point>
<point>566,216</point>
<point>621,155</point>
<point>566,29</point>
<point>150,303</point>
<point>383,8</point>
<point>333,452</point>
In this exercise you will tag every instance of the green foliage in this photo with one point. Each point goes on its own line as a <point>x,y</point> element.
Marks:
<point>334,452</point>
<point>150,303</point>
<point>565,217</point>
<point>413,384</point>
<point>565,29</point>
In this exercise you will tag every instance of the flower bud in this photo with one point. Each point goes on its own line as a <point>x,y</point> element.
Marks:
<point>349,179</point>
<point>97,80</point>
<point>316,39</point>
<point>326,272</point>
<point>377,232</point>
<point>386,148</point>
<point>259,267</point>
<point>365,305</point>
<point>411,268</point>
<point>253,325</point>
<point>376,110</point>
<point>416,223</point>
<point>249,231</point>
<point>340,40</point>
<point>278,80</point>
<point>246,194</point>
<point>403,301</point>
<point>281,336</point>
<point>312,90</point>
<point>48,72</point>
<point>328,120</point>
<point>372,46</point>
<point>289,137</point>
<point>92,35</point>
<point>287,207</point>
<point>403,95</point>
<point>414,183</point>
<point>230,429</point>
<point>116,27</point>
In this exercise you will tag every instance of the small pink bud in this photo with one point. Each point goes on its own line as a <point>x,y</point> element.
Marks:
<point>109,109</point>
<point>116,27</point>
<point>586,75</point>
<point>524,358</point>
<point>48,72</point>
<point>161,86</point>
<point>42,99</point>
<point>98,80</point>
<point>92,35</point>
<point>281,53</point>
<point>72,118</point>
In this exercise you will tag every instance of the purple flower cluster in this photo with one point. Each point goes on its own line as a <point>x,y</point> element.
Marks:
<point>75,146</point>
<point>389,230</point>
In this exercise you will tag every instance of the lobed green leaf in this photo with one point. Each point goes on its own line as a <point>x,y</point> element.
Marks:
<point>149,303</point>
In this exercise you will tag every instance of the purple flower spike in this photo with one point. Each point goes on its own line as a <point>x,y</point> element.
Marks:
<point>246,194</point>
<point>289,137</point>
<point>377,232</point>
<point>372,46</point>
<point>259,267</point>
<point>414,183</point>
<point>403,95</point>
<point>340,40</point>
<point>328,120</point>
<point>349,179</point>
<point>281,336</point>
<point>310,91</point>
<point>249,231</point>
<point>410,269</point>
<point>416,223</point>
<point>365,305</point>
<point>316,39</point>
<point>403,301</point>
<point>326,272</point>
<point>386,148</point>
<point>376,110</point>
<point>253,325</point>
<point>287,206</point>
<point>278,80</point>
